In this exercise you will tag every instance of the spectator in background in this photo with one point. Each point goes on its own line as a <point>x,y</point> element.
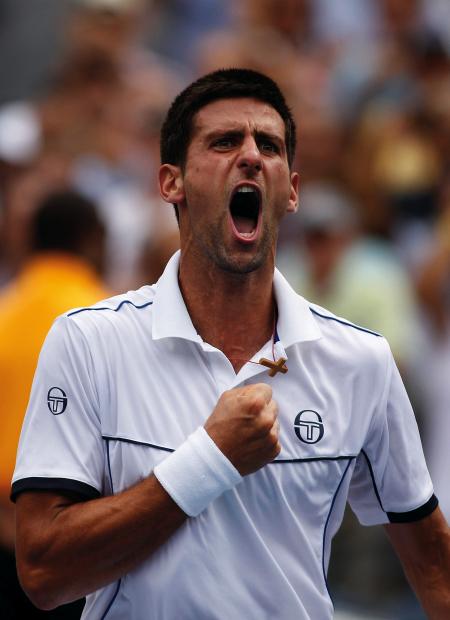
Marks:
<point>334,265</point>
<point>100,116</point>
<point>116,91</point>
<point>62,271</point>
<point>24,188</point>
<point>122,90</point>
<point>275,36</point>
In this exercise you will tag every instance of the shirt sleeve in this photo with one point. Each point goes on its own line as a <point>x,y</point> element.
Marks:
<point>61,445</point>
<point>390,482</point>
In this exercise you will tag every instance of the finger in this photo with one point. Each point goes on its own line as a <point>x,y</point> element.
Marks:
<point>275,430</point>
<point>265,390</point>
<point>274,441</point>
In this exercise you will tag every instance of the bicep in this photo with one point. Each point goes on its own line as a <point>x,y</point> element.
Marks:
<point>36,511</point>
<point>37,537</point>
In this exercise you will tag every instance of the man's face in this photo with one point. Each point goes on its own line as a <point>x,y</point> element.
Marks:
<point>236,185</point>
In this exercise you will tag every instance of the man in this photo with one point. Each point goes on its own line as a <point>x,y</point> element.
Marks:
<point>206,431</point>
<point>62,270</point>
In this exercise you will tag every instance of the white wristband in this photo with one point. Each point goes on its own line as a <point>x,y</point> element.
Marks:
<point>196,473</point>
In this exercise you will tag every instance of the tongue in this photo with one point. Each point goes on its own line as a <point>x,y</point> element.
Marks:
<point>244,224</point>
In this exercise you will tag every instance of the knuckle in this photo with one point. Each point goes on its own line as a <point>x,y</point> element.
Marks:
<point>267,422</point>
<point>255,404</point>
<point>263,389</point>
<point>273,435</point>
<point>227,395</point>
<point>266,392</point>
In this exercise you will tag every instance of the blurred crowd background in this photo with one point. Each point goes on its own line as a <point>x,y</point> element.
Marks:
<point>84,85</point>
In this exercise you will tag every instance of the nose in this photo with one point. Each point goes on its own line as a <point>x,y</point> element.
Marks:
<point>249,158</point>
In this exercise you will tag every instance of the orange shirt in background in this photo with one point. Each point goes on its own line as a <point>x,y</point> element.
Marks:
<point>50,284</point>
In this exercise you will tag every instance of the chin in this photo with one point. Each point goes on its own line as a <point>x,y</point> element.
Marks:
<point>239,259</point>
<point>242,264</point>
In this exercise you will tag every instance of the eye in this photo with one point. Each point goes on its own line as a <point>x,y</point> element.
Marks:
<point>224,143</point>
<point>267,146</point>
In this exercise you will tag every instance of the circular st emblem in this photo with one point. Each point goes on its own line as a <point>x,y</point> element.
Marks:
<point>56,400</point>
<point>308,426</point>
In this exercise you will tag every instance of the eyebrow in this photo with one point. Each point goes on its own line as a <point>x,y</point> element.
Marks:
<point>238,133</point>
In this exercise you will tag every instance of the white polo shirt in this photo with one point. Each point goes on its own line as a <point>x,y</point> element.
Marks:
<point>123,383</point>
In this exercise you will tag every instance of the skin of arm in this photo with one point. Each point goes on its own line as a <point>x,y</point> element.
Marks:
<point>423,548</point>
<point>67,548</point>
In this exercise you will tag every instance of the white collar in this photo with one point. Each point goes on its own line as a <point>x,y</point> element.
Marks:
<point>171,319</point>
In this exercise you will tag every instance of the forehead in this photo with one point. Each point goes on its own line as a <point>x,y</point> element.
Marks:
<point>238,114</point>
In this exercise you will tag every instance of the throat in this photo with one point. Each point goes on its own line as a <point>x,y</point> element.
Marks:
<point>240,340</point>
<point>232,312</point>
<point>239,356</point>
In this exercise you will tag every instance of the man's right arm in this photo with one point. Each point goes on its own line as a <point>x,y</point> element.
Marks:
<point>67,548</point>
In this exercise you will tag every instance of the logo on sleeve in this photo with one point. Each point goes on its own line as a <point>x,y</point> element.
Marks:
<point>56,400</point>
<point>308,426</point>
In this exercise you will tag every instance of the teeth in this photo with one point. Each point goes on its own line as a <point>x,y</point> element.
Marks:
<point>245,189</point>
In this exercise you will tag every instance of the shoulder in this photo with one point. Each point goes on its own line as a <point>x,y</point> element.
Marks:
<point>350,344</point>
<point>339,325</point>
<point>116,306</point>
<point>110,318</point>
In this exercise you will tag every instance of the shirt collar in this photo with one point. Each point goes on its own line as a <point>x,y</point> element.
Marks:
<point>171,318</point>
<point>296,322</point>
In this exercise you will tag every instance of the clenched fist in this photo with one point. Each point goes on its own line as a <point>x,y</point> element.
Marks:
<point>244,426</point>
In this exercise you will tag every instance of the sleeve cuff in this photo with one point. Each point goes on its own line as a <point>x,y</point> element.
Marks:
<point>53,484</point>
<point>416,514</point>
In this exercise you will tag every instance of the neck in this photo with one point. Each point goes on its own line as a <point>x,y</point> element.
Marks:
<point>232,312</point>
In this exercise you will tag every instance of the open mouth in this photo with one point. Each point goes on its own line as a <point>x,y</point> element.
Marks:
<point>244,210</point>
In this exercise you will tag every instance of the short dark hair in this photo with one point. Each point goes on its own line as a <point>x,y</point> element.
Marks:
<point>63,221</point>
<point>222,84</point>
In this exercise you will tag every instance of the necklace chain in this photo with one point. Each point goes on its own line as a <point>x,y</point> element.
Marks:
<point>274,366</point>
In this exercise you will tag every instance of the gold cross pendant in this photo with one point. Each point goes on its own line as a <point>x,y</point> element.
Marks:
<point>278,366</point>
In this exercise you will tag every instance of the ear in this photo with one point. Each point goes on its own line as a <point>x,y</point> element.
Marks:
<point>293,197</point>
<point>171,186</point>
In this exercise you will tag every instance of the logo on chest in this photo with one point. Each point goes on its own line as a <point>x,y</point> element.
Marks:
<point>308,426</point>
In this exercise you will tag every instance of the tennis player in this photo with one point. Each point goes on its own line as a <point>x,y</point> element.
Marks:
<point>189,447</point>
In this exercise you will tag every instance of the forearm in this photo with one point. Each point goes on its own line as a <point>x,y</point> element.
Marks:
<point>88,545</point>
<point>425,556</point>
<point>432,588</point>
